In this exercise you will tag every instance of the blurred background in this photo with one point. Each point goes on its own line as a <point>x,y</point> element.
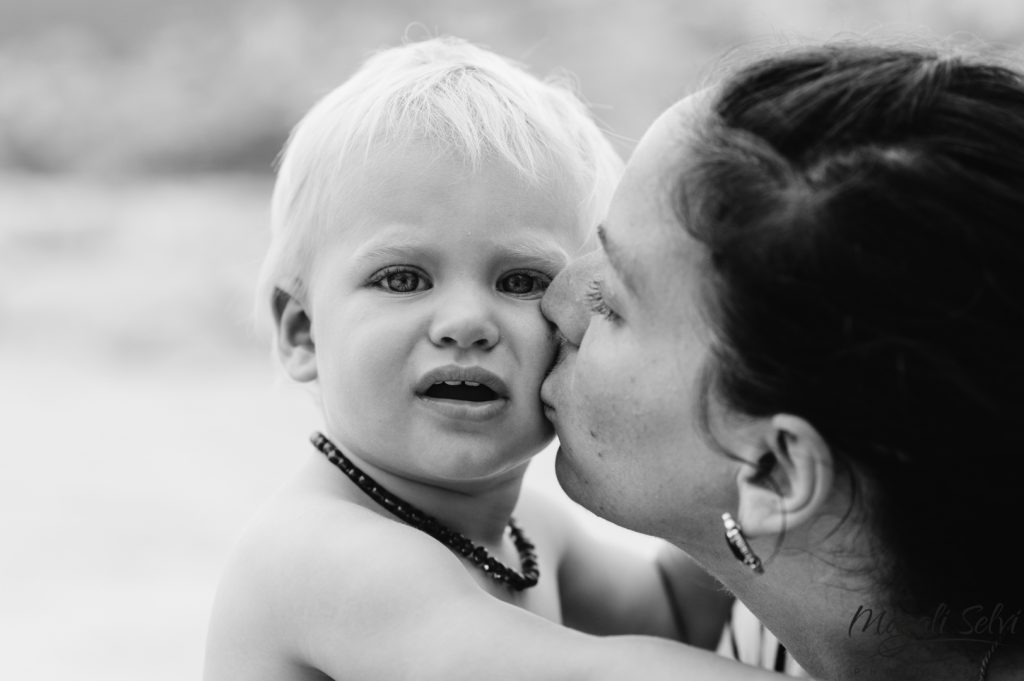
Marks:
<point>141,418</point>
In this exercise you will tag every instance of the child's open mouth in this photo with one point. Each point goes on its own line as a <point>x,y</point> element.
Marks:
<point>467,391</point>
<point>463,393</point>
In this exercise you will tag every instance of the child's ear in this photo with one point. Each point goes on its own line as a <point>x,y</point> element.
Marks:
<point>791,481</point>
<point>295,346</point>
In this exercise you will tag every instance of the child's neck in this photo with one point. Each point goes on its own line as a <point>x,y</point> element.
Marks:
<point>480,510</point>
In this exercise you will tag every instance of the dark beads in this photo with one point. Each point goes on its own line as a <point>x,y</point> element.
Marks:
<point>450,538</point>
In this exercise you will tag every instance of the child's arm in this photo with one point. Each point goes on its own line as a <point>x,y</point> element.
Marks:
<point>611,588</point>
<point>387,602</point>
<point>436,623</point>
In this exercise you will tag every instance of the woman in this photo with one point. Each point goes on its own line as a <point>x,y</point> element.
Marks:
<point>805,330</point>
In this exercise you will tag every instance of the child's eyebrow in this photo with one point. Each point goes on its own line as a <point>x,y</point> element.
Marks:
<point>536,252</point>
<point>546,254</point>
<point>390,245</point>
<point>389,251</point>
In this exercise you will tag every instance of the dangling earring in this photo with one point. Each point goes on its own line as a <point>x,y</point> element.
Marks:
<point>739,546</point>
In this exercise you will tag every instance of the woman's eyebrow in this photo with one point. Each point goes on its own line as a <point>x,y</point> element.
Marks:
<point>617,259</point>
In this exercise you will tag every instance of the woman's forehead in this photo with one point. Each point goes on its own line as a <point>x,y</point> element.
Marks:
<point>681,120</point>
<point>665,146</point>
<point>643,225</point>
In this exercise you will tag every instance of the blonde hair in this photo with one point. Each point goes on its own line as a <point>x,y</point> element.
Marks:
<point>447,91</point>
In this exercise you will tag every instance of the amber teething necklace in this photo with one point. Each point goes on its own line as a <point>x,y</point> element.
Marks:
<point>459,543</point>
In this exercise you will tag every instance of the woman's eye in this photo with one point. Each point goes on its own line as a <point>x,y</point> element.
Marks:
<point>524,284</point>
<point>598,305</point>
<point>400,280</point>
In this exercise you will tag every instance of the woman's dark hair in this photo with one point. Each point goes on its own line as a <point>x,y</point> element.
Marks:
<point>863,208</point>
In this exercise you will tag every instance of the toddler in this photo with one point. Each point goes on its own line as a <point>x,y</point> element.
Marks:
<point>420,211</point>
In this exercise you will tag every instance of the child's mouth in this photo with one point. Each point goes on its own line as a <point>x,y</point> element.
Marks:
<point>466,391</point>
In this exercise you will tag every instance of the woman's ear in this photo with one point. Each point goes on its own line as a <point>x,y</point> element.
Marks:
<point>791,481</point>
<point>295,346</point>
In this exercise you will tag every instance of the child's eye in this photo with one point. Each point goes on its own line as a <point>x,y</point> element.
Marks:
<point>598,305</point>
<point>524,284</point>
<point>400,279</point>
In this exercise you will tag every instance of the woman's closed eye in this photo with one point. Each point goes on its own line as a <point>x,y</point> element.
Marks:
<point>400,279</point>
<point>597,303</point>
<point>524,284</point>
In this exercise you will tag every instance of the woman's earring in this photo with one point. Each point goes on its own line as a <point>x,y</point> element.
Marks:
<point>739,546</point>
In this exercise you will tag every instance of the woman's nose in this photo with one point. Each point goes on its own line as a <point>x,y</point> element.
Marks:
<point>565,304</point>
<point>465,320</point>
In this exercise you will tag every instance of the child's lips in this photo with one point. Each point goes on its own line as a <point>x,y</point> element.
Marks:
<point>471,382</point>
<point>468,391</point>
<point>465,410</point>
<point>466,375</point>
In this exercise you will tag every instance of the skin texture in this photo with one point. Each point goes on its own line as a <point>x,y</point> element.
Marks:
<point>623,393</point>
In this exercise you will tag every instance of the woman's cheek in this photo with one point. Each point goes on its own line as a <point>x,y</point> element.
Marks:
<point>603,394</point>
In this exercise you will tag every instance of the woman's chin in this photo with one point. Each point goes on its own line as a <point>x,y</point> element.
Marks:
<point>575,482</point>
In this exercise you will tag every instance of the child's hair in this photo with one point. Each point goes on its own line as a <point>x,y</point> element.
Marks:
<point>445,91</point>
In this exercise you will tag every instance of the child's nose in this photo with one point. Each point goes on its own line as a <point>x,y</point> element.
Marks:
<point>564,303</point>
<point>465,320</point>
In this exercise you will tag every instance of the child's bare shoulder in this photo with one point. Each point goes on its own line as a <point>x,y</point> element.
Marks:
<point>311,567</point>
<point>300,541</point>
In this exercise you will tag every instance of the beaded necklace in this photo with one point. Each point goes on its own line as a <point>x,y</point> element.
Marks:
<point>459,543</point>
<point>983,670</point>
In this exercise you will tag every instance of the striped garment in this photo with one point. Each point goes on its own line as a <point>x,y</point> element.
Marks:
<point>747,640</point>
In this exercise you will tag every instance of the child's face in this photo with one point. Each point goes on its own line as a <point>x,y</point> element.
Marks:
<point>435,277</point>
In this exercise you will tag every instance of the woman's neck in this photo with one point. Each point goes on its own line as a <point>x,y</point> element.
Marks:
<point>838,632</point>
